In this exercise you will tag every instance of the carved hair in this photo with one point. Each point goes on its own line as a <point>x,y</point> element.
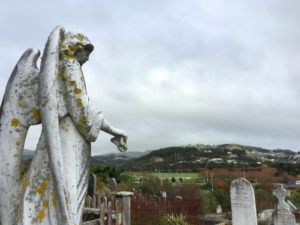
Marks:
<point>71,43</point>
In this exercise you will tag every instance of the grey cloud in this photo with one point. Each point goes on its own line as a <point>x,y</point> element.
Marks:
<point>173,72</point>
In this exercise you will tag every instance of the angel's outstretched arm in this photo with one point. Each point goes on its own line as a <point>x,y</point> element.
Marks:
<point>120,138</point>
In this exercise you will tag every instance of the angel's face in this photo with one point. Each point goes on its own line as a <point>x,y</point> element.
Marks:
<point>82,55</point>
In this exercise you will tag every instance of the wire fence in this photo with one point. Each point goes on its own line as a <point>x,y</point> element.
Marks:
<point>147,210</point>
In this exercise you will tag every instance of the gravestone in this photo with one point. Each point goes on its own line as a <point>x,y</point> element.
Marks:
<point>242,203</point>
<point>163,194</point>
<point>92,184</point>
<point>282,215</point>
<point>219,209</point>
<point>113,185</point>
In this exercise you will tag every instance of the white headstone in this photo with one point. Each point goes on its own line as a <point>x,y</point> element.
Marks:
<point>242,203</point>
<point>219,209</point>
<point>283,215</point>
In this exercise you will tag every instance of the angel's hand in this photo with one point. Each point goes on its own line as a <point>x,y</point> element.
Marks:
<point>120,141</point>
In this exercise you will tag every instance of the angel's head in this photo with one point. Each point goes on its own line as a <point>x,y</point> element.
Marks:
<point>75,46</point>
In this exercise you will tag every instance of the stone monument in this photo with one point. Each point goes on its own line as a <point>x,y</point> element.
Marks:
<point>54,189</point>
<point>113,185</point>
<point>282,215</point>
<point>242,203</point>
<point>92,185</point>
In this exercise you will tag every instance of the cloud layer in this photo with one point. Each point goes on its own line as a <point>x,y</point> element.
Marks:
<point>174,72</point>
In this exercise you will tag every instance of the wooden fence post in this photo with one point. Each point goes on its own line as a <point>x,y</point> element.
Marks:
<point>102,214</point>
<point>124,198</point>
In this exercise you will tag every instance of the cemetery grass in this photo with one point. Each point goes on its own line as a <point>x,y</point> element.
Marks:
<point>185,176</point>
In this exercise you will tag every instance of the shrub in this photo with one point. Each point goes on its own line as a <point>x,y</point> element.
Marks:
<point>171,219</point>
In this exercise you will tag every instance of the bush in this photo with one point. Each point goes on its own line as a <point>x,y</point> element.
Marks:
<point>222,198</point>
<point>295,198</point>
<point>171,219</point>
<point>150,185</point>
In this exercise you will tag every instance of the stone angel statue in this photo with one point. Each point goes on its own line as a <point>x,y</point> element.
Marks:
<point>53,191</point>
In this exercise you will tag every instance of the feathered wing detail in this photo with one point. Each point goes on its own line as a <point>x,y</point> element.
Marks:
<point>49,114</point>
<point>19,110</point>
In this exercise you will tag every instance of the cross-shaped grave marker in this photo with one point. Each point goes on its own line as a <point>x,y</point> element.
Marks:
<point>281,193</point>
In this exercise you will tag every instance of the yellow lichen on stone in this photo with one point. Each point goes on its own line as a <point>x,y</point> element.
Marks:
<point>18,143</point>
<point>79,37</point>
<point>21,104</point>
<point>31,89</point>
<point>62,127</point>
<point>66,219</point>
<point>81,125</point>
<point>41,190</point>
<point>47,178</point>
<point>79,102</point>
<point>72,82</point>
<point>16,155</point>
<point>46,204</point>
<point>84,118</point>
<point>69,57</point>
<point>28,183</point>
<point>45,101</point>
<point>18,218</point>
<point>63,39</point>
<point>53,200</point>
<point>67,202</point>
<point>44,185</point>
<point>42,147</point>
<point>77,91</point>
<point>81,78</point>
<point>41,215</point>
<point>15,122</point>
<point>36,114</point>
<point>66,130</point>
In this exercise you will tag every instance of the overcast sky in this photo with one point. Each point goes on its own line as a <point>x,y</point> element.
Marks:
<point>174,72</point>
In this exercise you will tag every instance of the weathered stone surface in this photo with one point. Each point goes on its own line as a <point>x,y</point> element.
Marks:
<point>113,184</point>
<point>242,203</point>
<point>282,215</point>
<point>92,184</point>
<point>19,110</point>
<point>54,189</point>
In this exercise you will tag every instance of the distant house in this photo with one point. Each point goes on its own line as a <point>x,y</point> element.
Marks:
<point>207,151</point>
<point>216,160</point>
<point>231,161</point>
<point>233,156</point>
<point>297,156</point>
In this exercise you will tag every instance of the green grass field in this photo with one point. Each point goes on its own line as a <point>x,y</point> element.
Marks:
<point>185,176</point>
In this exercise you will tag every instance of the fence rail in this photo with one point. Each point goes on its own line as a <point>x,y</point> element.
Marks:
<point>108,211</point>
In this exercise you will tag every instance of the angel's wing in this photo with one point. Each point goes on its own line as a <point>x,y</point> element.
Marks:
<point>49,114</point>
<point>19,110</point>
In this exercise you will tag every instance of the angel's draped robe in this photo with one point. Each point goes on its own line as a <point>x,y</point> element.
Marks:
<point>79,125</point>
